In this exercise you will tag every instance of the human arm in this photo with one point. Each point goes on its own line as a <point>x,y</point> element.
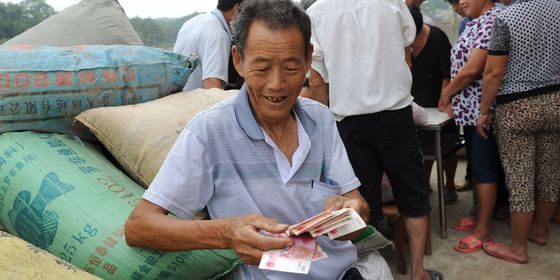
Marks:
<point>466,75</point>
<point>183,186</point>
<point>449,108</point>
<point>354,200</point>
<point>213,83</point>
<point>318,90</point>
<point>408,56</point>
<point>419,114</point>
<point>149,226</point>
<point>498,56</point>
<point>493,75</point>
<point>215,62</point>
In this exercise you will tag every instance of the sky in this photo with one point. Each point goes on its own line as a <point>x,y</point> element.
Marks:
<point>147,8</point>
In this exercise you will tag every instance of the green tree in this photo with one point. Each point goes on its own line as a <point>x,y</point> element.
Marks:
<point>17,18</point>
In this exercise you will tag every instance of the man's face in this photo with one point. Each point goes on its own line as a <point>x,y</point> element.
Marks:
<point>414,3</point>
<point>274,68</point>
<point>457,8</point>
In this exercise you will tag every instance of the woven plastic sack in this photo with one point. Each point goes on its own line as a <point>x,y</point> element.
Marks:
<point>43,88</point>
<point>143,137</point>
<point>90,22</point>
<point>63,196</point>
<point>21,260</point>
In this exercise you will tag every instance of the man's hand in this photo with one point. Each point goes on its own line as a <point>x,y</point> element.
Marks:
<point>354,200</point>
<point>244,237</point>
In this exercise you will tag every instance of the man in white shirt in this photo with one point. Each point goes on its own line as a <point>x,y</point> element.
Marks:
<point>359,51</point>
<point>208,36</point>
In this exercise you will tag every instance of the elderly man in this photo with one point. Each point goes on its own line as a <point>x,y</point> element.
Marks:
<point>208,36</point>
<point>259,161</point>
<point>359,50</point>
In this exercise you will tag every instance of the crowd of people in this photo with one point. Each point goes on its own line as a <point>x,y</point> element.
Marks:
<point>268,158</point>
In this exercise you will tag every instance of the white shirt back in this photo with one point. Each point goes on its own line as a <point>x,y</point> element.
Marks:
<point>208,37</point>
<point>359,50</point>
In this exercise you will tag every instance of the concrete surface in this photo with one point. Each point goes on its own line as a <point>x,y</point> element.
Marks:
<point>544,261</point>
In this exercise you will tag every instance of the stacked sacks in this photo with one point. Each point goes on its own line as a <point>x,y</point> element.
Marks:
<point>43,88</point>
<point>63,196</point>
<point>143,137</point>
<point>90,22</point>
<point>21,260</point>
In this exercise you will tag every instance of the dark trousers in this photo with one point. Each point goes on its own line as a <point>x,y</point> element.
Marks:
<point>386,142</point>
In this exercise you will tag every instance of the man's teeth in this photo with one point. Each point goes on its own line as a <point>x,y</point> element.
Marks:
<point>275,99</point>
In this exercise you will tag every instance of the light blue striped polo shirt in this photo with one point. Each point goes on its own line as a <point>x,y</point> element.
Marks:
<point>208,37</point>
<point>221,160</point>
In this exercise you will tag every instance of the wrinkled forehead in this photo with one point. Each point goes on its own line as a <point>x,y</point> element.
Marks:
<point>261,35</point>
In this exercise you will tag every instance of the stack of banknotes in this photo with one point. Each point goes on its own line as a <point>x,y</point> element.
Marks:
<point>298,258</point>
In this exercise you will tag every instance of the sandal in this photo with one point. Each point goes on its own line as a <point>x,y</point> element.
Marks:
<point>472,244</point>
<point>492,250</point>
<point>434,274</point>
<point>464,224</point>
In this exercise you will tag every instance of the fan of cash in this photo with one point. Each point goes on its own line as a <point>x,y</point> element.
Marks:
<point>298,258</point>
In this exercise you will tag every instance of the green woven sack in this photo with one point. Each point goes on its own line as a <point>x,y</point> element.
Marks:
<point>63,196</point>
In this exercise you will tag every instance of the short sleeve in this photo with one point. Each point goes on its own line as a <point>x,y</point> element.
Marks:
<point>499,43</point>
<point>407,24</point>
<point>482,36</point>
<point>419,114</point>
<point>318,60</point>
<point>184,184</point>
<point>215,58</point>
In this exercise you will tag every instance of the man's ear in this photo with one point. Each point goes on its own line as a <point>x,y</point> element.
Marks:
<point>236,55</point>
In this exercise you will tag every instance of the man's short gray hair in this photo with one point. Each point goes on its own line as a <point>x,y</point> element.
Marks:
<point>275,14</point>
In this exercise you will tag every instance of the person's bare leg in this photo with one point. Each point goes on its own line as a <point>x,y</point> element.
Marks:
<point>486,197</point>
<point>543,214</point>
<point>557,213</point>
<point>428,164</point>
<point>520,226</point>
<point>450,168</point>
<point>416,228</point>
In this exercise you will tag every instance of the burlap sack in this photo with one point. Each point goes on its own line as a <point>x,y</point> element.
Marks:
<point>90,22</point>
<point>21,260</point>
<point>145,133</point>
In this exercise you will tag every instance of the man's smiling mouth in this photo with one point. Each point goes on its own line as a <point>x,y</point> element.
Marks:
<point>275,99</point>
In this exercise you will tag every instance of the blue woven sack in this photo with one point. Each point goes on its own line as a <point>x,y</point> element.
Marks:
<point>43,88</point>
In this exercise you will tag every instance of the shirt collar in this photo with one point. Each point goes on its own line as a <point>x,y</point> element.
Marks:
<point>220,16</point>
<point>248,123</point>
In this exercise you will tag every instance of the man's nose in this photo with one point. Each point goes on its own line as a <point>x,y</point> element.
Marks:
<point>277,80</point>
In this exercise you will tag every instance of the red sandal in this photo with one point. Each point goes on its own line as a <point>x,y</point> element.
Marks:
<point>464,224</point>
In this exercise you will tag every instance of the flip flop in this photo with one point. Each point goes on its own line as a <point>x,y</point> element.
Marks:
<point>464,224</point>
<point>434,274</point>
<point>492,250</point>
<point>472,244</point>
